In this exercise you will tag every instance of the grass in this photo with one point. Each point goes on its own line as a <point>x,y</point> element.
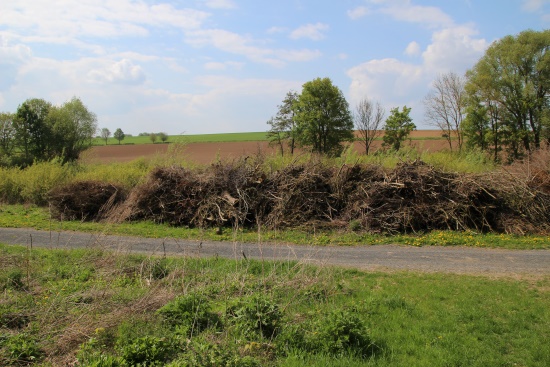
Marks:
<point>197,138</point>
<point>106,309</point>
<point>29,216</point>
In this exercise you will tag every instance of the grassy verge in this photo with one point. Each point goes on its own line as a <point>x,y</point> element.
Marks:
<point>21,216</point>
<point>103,309</point>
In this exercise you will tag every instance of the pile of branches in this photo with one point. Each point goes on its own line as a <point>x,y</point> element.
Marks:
<point>416,197</point>
<point>413,197</point>
<point>217,196</point>
<point>85,200</point>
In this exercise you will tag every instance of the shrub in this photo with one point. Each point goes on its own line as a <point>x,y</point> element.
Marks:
<point>256,315</point>
<point>19,349</point>
<point>190,314</point>
<point>147,351</point>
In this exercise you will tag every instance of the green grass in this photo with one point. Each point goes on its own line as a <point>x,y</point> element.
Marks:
<point>25,216</point>
<point>196,138</point>
<point>129,309</point>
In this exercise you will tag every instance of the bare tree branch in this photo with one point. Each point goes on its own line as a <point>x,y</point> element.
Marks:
<point>368,118</point>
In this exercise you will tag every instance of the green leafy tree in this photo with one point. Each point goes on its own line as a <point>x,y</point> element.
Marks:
<point>513,78</point>
<point>398,127</point>
<point>119,135</point>
<point>163,137</point>
<point>283,124</point>
<point>73,127</point>
<point>105,134</point>
<point>322,116</point>
<point>33,134</point>
<point>153,137</point>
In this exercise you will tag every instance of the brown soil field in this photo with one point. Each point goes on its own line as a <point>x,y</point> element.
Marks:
<point>205,153</point>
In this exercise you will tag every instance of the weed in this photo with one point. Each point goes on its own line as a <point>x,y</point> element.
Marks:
<point>19,349</point>
<point>147,351</point>
<point>190,314</point>
<point>256,315</point>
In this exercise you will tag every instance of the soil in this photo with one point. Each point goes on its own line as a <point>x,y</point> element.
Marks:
<point>205,153</point>
<point>429,259</point>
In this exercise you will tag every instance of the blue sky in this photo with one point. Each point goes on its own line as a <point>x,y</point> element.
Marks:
<point>208,66</point>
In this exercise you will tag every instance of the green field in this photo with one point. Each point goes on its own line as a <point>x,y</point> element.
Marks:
<point>105,309</point>
<point>198,138</point>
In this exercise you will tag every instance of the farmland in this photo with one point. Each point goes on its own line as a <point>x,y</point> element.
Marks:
<point>204,149</point>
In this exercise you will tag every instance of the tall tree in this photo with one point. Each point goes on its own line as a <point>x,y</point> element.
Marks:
<point>119,135</point>
<point>514,77</point>
<point>73,127</point>
<point>283,124</point>
<point>33,134</point>
<point>445,107</point>
<point>368,121</point>
<point>7,132</point>
<point>105,134</point>
<point>323,119</point>
<point>398,127</point>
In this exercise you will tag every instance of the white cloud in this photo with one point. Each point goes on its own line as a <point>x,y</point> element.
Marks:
<point>413,49</point>
<point>358,12</point>
<point>311,31</point>
<point>220,4</point>
<point>403,10</point>
<point>397,83</point>
<point>455,49</point>
<point>12,54</point>
<point>123,71</point>
<point>240,45</point>
<point>58,19</point>
<point>275,30</point>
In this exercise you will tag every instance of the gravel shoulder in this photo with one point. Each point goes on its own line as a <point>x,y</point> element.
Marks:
<point>460,260</point>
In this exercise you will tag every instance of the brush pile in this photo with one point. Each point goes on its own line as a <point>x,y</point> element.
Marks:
<point>85,200</point>
<point>413,197</point>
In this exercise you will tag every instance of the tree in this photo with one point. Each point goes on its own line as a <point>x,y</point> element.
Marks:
<point>398,127</point>
<point>513,79</point>
<point>322,116</point>
<point>119,135</point>
<point>7,133</point>
<point>283,124</point>
<point>153,137</point>
<point>105,134</point>
<point>73,127</point>
<point>163,137</point>
<point>368,121</point>
<point>33,135</point>
<point>445,107</point>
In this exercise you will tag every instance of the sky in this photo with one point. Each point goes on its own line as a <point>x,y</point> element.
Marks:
<point>221,66</point>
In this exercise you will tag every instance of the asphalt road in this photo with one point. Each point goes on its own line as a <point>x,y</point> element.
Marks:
<point>462,260</point>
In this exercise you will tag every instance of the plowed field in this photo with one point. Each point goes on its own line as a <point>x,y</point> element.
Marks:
<point>205,153</point>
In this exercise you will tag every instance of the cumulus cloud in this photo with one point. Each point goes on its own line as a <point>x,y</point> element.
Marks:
<point>358,12</point>
<point>413,49</point>
<point>398,83</point>
<point>454,48</point>
<point>404,10</point>
<point>314,32</point>
<point>123,71</point>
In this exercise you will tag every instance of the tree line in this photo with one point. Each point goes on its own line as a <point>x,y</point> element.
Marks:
<point>501,106</point>
<point>41,131</point>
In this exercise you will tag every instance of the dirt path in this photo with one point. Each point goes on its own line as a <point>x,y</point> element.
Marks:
<point>461,260</point>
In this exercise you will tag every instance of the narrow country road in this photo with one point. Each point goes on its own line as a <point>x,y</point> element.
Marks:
<point>462,260</point>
